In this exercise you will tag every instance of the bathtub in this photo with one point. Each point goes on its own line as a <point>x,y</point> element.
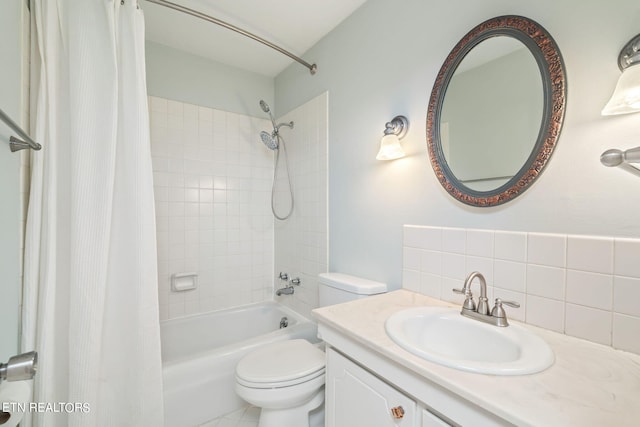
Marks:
<point>200,353</point>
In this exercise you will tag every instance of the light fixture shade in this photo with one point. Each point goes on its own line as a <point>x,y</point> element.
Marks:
<point>390,148</point>
<point>626,97</point>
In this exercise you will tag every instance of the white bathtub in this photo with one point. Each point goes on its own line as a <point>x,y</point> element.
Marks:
<point>199,355</point>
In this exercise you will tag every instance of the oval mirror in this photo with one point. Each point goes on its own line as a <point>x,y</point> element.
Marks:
<point>496,111</point>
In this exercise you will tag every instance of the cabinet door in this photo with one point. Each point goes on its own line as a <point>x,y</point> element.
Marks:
<point>430,420</point>
<point>357,398</point>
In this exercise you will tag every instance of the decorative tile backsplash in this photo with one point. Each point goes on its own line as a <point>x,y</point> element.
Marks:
<point>584,286</point>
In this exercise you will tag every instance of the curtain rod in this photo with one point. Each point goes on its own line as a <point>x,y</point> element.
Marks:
<point>312,67</point>
<point>16,144</point>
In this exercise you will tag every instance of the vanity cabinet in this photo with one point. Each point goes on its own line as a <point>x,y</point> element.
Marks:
<point>357,398</point>
<point>363,387</point>
<point>430,420</point>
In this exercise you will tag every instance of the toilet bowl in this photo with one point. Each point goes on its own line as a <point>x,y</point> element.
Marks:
<point>286,378</point>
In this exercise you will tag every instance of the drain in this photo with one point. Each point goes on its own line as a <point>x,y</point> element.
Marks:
<point>284,322</point>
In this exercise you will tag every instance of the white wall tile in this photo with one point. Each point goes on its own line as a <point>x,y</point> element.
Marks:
<point>446,290</point>
<point>627,257</point>
<point>431,262</point>
<point>411,258</point>
<point>175,107</point>
<point>431,284</point>
<point>411,236</point>
<point>510,246</point>
<point>158,104</point>
<point>588,253</point>
<point>588,323</point>
<point>423,237</point>
<point>547,249</point>
<point>546,313</point>
<point>454,240</point>
<point>430,238</point>
<point>626,296</point>
<point>453,265</point>
<point>625,333</point>
<point>411,280</point>
<point>510,275</point>
<point>590,289</point>
<point>480,243</point>
<point>548,282</point>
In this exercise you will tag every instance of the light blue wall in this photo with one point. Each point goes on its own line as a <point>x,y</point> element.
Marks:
<point>180,76</point>
<point>10,102</point>
<point>382,61</point>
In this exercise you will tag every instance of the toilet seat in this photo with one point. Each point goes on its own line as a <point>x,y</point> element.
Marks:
<point>281,364</point>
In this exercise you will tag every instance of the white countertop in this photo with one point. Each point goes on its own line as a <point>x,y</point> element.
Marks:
<point>588,385</point>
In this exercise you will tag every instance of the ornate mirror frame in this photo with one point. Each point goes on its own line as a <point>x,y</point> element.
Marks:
<point>549,60</point>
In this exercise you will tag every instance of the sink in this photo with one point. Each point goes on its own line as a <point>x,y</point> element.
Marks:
<point>443,336</point>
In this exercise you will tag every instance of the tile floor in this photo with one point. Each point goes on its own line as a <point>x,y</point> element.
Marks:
<point>245,417</point>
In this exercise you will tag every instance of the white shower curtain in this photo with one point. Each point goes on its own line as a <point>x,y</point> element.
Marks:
<point>90,282</point>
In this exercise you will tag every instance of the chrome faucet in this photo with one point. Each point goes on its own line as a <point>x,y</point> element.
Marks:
<point>288,289</point>
<point>497,317</point>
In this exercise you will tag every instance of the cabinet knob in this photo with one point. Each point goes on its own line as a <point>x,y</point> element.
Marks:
<point>397,412</point>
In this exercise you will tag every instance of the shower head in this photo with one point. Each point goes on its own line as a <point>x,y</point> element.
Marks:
<point>269,139</point>
<point>266,109</point>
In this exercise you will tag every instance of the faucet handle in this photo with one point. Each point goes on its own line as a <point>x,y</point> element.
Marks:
<point>514,304</point>
<point>468,304</point>
<point>498,311</point>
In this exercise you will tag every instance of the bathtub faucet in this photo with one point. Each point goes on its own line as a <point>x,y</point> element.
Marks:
<point>287,290</point>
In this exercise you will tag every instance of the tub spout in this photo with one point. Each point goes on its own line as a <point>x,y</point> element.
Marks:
<point>285,291</point>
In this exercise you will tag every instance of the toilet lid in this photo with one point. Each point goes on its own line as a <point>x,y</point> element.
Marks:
<point>280,362</point>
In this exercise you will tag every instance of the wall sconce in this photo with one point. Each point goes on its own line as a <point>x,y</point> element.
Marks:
<point>395,130</point>
<point>626,96</point>
<point>625,99</point>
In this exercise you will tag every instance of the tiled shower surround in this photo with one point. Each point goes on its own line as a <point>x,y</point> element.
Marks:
<point>301,240</point>
<point>212,183</point>
<point>584,286</point>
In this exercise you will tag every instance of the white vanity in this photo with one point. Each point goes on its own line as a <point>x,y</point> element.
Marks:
<point>371,381</point>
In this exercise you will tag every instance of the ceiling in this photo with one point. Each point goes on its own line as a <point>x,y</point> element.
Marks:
<point>293,25</point>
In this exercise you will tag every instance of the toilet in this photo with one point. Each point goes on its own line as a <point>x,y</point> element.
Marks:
<point>286,379</point>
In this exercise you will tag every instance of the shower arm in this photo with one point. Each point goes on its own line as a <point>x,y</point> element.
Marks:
<point>312,67</point>
<point>279,125</point>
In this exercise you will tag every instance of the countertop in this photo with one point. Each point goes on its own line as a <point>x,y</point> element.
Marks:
<point>588,385</point>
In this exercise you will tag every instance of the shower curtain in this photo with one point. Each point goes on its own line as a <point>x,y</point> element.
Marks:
<point>90,305</point>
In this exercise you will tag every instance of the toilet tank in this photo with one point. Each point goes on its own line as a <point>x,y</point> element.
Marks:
<point>336,288</point>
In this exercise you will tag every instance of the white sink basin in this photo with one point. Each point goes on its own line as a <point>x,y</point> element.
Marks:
<point>444,336</point>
